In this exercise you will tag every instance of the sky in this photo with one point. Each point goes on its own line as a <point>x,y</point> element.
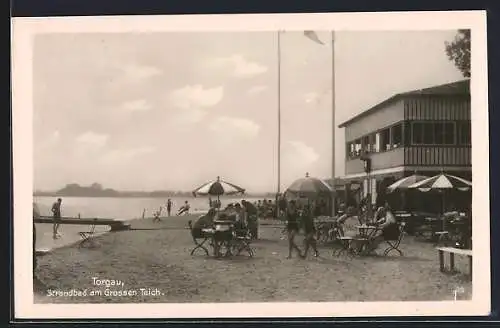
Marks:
<point>170,111</point>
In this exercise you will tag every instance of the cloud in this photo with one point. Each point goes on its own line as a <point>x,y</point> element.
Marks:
<point>140,72</point>
<point>230,127</point>
<point>257,89</point>
<point>121,156</point>
<point>188,115</point>
<point>300,154</point>
<point>239,66</point>
<point>195,96</point>
<point>92,139</point>
<point>140,105</point>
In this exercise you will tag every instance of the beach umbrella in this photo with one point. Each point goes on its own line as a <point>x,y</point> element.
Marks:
<point>405,182</point>
<point>442,182</point>
<point>218,188</point>
<point>308,187</point>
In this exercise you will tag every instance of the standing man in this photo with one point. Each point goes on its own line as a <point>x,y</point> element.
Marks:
<point>251,218</point>
<point>169,206</point>
<point>56,213</point>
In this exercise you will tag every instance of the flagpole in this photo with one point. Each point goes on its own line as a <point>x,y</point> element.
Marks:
<point>334,127</point>
<point>279,121</point>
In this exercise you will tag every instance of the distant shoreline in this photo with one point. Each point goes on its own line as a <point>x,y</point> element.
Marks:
<point>142,196</point>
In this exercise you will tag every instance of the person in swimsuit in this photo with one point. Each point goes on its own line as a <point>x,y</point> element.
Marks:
<point>309,231</point>
<point>292,227</point>
<point>56,214</point>
<point>184,209</point>
<point>169,206</point>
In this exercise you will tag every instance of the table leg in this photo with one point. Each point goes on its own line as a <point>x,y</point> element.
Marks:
<point>441,261</point>
<point>452,262</point>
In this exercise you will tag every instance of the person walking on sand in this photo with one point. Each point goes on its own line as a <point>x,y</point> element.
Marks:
<point>309,231</point>
<point>56,214</point>
<point>169,206</point>
<point>251,218</point>
<point>292,227</point>
<point>184,209</point>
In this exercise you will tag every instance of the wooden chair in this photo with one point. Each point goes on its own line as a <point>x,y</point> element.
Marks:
<point>394,244</point>
<point>197,236</point>
<point>88,236</point>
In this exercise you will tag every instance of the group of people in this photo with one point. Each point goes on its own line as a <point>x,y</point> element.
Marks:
<point>298,217</point>
<point>243,216</point>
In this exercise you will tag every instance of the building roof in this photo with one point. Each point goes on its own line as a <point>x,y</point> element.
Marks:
<point>449,89</point>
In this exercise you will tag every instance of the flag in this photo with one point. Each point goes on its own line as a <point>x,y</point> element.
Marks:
<point>313,36</point>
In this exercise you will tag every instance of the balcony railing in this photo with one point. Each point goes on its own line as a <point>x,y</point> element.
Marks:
<point>438,155</point>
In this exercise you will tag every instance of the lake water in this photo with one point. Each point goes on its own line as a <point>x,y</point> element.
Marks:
<point>110,208</point>
<point>124,208</point>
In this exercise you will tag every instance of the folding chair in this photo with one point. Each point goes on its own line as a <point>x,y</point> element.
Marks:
<point>241,242</point>
<point>345,247</point>
<point>394,244</point>
<point>87,236</point>
<point>198,235</point>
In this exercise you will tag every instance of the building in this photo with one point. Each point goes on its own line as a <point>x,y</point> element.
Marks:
<point>425,131</point>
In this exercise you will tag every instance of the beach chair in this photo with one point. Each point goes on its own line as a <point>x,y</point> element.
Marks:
<point>394,244</point>
<point>87,236</point>
<point>198,235</point>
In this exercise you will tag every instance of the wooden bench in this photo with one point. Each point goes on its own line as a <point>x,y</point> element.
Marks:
<point>452,251</point>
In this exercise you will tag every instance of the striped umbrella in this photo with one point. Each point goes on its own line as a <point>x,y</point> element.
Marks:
<point>308,187</point>
<point>218,188</point>
<point>405,182</point>
<point>442,182</point>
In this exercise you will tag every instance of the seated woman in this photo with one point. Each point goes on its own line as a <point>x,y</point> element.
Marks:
<point>339,224</point>
<point>387,227</point>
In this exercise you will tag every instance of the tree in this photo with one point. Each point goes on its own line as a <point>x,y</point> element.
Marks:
<point>458,51</point>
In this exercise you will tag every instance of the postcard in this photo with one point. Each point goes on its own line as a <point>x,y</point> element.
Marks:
<point>246,166</point>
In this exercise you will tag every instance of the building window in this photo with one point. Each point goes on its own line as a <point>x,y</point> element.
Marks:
<point>357,147</point>
<point>407,134</point>
<point>417,133</point>
<point>428,133</point>
<point>377,142</point>
<point>449,133</point>
<point>464,133</point>
<point>373,143</point>
<point>397,135</point>
<point>351,153</point>
<point>433,133</point>
<point>385,139</point>
<point>366,144</point>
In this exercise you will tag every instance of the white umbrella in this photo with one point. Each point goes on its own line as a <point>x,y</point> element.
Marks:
<point>405,182</point>
<point>217,188</point>
<point>442,182</point>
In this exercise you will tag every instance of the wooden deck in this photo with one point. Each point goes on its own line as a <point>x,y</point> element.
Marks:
<point>115,225</point>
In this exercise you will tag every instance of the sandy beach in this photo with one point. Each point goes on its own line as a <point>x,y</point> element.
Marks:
<point>152,262</point>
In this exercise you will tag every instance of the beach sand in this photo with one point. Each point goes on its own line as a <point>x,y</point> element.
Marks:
<point>157,256</point>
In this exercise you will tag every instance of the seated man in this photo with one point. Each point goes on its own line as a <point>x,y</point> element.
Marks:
<point>204,222</point>
<point>184,209</point>
<point>387,226</point>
